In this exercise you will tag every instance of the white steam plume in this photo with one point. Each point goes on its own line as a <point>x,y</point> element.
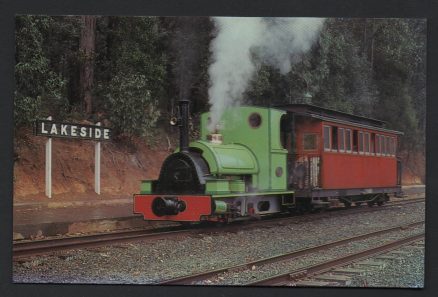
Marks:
<point>276,41</point>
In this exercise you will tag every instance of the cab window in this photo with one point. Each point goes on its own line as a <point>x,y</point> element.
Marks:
<point>309,141</point>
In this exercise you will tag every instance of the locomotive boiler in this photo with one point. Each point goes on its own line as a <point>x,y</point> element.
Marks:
<point>261,161</point>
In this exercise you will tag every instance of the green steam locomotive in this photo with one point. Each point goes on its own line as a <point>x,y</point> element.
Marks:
<point>261,161</point>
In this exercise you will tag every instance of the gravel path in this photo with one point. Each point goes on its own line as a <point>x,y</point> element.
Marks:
<point>149,262</point>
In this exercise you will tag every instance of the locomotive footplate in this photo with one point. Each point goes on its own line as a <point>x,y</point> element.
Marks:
<point>188,208</point>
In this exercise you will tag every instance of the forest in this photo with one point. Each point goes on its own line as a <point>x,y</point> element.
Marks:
<point>129,72</point>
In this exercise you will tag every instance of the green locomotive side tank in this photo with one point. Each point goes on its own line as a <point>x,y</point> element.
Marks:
<point>227,159</point>
<point>250,146</point>
<point>234,172</point>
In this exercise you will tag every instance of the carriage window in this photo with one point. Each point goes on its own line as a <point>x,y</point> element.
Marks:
<point>382,147</point>
<point>361,142</point>
<point>348,140</point>
<point>341,139</point>
<point>367,142</point>
<point>377,144</point>
<point>355,141</point>
<point>373,139</point>
<point>326,137</point>
<point>395,146</point>
<point>391,146</point>
<point>334,138</point>
<point>309,142</point>
<point>388,151</point>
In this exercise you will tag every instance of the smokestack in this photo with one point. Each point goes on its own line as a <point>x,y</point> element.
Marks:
<point>184,125</point>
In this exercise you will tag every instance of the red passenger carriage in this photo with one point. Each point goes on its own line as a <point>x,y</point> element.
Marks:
<point>334,156</point>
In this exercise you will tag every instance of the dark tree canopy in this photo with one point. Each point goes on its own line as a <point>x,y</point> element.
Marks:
<point>139,66</point>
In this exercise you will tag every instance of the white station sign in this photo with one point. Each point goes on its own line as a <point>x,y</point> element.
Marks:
<point>66,130</point>
<point>51,129</point>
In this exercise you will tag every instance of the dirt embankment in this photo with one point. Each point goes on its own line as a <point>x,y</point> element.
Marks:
<point>414,168</point>
<point>122,168</point>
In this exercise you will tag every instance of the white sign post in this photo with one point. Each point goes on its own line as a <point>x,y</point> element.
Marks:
<point>76,131</point>
<point>49,165</point>
<point>97,165</point>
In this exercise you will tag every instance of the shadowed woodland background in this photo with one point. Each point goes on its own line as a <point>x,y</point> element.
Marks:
<point>129,72</point>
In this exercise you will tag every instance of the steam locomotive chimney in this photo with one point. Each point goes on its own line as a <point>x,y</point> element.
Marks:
<point>184,125</point>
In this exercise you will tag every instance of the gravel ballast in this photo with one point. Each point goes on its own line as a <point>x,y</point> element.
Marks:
<point>149,262</point>
<point>407,272</point>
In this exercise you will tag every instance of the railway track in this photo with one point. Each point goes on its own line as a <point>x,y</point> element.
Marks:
<point>32,248</point>
<point>292,277</point>
<point>23,249</point>
<point>199,277</point>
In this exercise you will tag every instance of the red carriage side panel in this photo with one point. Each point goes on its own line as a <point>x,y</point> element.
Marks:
<point>343,171</point>
<point>368,161</point>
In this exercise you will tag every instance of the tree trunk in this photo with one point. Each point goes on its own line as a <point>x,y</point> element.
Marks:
<point>365,39</point>
<point>86,48</point>
<point>372,53</point>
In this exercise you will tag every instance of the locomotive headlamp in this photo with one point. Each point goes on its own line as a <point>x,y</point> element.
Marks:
<point>174,121</point>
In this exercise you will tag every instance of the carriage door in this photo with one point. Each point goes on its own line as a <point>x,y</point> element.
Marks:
<point>399,172</point>
<point>287,134</point>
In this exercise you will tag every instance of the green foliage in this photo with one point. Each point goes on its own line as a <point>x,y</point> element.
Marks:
<point>133,110</point>
<point>370,67</point>
<point>131,45</point>
<point>186,42</point>
<point>397,60</point>
<point>39,90</point>
<point>261,89</point>
<point>334,73</point>
<point>130,71</point>
<point>345,82</point>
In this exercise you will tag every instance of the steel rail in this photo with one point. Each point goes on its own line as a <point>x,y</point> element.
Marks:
<point>36,247</point>
<point>189,279</point>
<point>289,277</point>
<point>32,248</point>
